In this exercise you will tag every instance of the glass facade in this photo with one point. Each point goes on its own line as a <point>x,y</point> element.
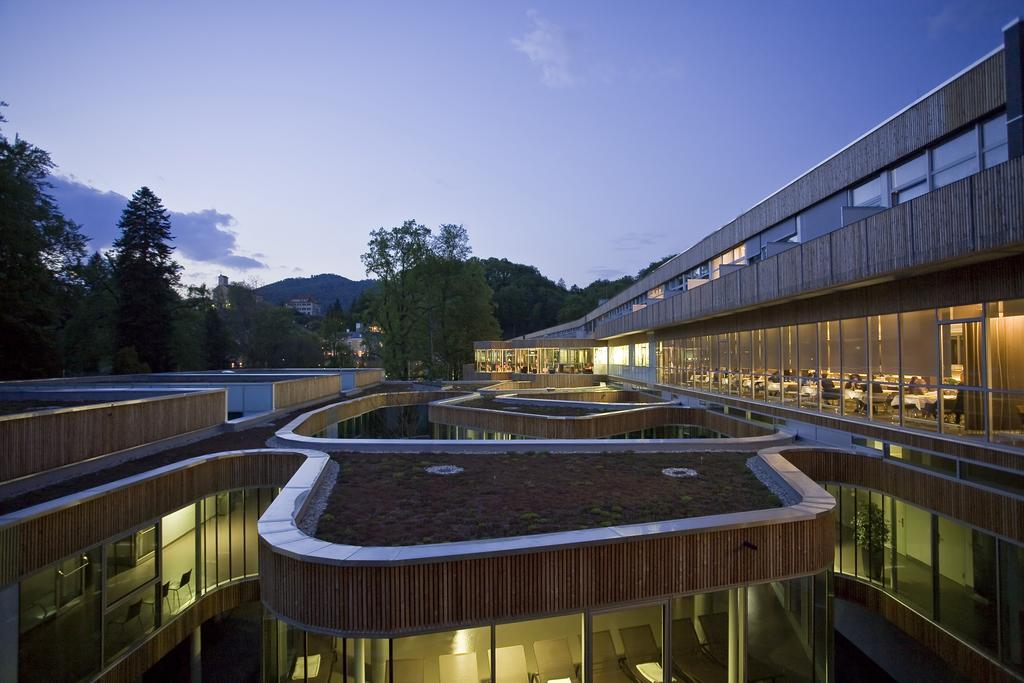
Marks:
<point>955,370</point>
<point>535,360</point>
<point>685,638</point>
<point>964,579</point>
<point>90,608</point>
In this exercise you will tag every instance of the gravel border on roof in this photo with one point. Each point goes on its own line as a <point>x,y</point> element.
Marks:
<point>319,498</point>
<point>773,481</point>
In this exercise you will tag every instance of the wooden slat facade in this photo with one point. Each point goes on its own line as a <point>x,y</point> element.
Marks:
<point>131,668</point>
<point>36,442</point>
<point>409,598</point>
<point>975,94</point>
<point>976,218</point>
<point>294,392</point>
<point>974,505</point>
<point>44,539</point>
<point>368,377</point>
<point>346,410</point>
<point>977,451</point>
<point>595,426</point>
<point>954,652</point>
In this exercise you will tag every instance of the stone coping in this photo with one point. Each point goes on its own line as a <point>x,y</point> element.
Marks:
<point>279,525</point>
<point>176,392</point>
<point>535,397</point>
<point>287,438</point>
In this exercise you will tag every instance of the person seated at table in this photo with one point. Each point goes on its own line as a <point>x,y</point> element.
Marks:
<point>829,390</point>
<point>916,386</point>
<point>856,383</point>
<point>774,377</point>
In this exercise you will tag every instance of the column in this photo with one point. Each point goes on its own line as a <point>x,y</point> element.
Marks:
<point>195,655</point>
<point>378,658</point>
<point>1013,40</point>
<point>9,632</point>
<point>360,660</point>
<point>737,660</point>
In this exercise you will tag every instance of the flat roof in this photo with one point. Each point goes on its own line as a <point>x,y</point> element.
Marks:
<point>395,501</point>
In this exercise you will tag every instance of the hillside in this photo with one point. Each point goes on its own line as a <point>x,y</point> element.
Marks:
<point>325,288</point>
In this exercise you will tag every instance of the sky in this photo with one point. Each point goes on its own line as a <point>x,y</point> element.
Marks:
<point>585,138</point>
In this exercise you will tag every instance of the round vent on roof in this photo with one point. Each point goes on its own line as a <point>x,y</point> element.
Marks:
<point>679,472</point>
<point>443,469</point>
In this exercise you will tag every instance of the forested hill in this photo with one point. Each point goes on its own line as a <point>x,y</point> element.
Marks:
<point>325,288</point>
<point>526,301</point>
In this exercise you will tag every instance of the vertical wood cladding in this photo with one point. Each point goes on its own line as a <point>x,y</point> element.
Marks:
<point>139,660</point>
<point>597,426</point>
<point>346,410</point>
<point>972,96</point>
<point>41,540</point>
<point>38,442</point>
<point>978,217</point>
<point>994,512</point>
<point>305,389</point>
<point>957,654</point>
<point>406,598</point>
<point>976,451</point>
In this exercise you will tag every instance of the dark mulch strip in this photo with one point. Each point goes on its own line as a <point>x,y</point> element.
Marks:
<point>252,437</point>
<point>388,500</point>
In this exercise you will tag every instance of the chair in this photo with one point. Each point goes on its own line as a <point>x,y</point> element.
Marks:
<point>643,657</point>
<point>605,663</point>
<point>165,590</point>
<point>689,659</point>
<point>133,613</point>
<point>306,667</point>
<point>459,668</point>
<point>405,671</point>
<point>183,583</point>
<point>554,661</point>
<point>510,665</point>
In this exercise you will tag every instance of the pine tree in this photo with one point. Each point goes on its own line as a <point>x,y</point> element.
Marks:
<point>40,251</point>
<point>146,276</point>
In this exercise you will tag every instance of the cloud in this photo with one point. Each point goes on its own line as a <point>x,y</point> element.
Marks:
<point>637,240</point>
<point>204,236</point>
<point>546,48</point>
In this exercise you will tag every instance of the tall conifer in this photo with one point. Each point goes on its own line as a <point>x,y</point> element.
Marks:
<point>146,277</point>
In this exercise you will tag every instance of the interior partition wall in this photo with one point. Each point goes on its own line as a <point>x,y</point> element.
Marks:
<point>956,370</point>
<point>780,630</point>
<point>968,581</point>
<point>83,613</point>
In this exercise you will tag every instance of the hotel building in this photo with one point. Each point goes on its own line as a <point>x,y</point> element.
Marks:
<point>809,420</point>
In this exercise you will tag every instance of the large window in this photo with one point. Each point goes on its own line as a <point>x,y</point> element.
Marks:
<point>955,159</point>
<point>958,369</point>
<point>642,354</point>
<point>910,180</point>
<point>618,355</point>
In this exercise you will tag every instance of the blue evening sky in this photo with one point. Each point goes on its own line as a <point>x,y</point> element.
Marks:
<point>586,138</point>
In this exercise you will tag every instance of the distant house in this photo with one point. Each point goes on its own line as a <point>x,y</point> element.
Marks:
<point>305,305</point>
<point>220,292</point>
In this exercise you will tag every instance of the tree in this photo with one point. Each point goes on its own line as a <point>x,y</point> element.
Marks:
<point>40,250</point>
<point>216,341</point>
<point>391,256</point>
<point>146,276</point>
<point>458,302</point>
<point>524,300</point>
<point>87,336</point>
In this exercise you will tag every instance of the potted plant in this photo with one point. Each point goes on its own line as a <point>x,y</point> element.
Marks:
<point>871,534</point>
